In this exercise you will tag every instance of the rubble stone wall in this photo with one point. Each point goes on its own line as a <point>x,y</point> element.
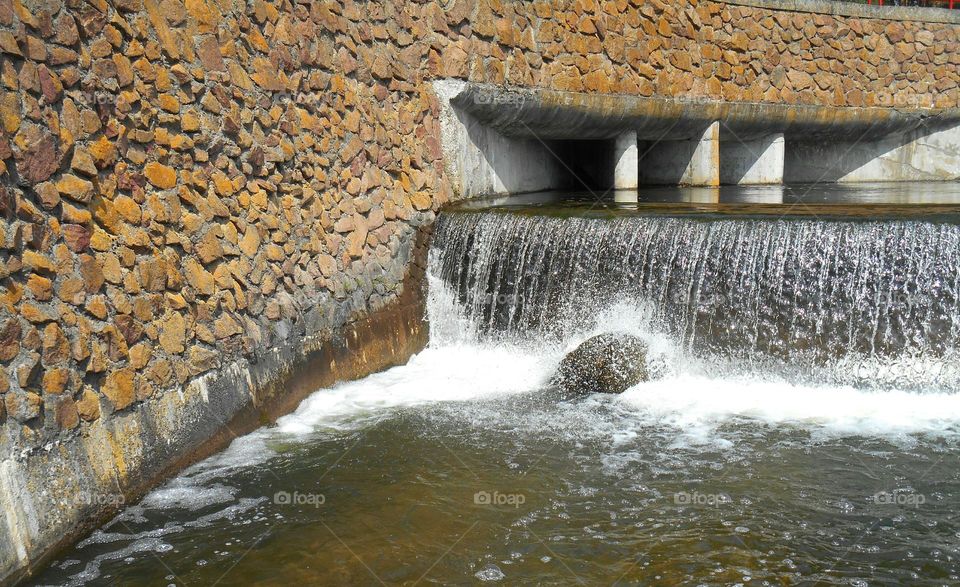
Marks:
<point>189,183</point>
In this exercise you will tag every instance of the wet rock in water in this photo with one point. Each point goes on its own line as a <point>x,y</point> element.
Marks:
<point>606,363</point>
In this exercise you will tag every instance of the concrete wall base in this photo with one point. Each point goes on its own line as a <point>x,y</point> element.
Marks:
<point>479,160</point>
<point>912,156</point>
<point>752,162</point>
<point>694,162</point>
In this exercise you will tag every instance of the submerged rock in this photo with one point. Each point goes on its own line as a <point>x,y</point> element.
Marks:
<point>606,363</point>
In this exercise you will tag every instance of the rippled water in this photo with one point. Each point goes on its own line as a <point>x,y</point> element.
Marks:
<point>744,462</point>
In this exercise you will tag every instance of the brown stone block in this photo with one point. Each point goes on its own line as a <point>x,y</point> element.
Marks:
<point>91,273</point>
<point>96,306</point>
<point>88,407</point>
<point>71,291</point>
<point>36,154</point>
<point>55,380</point>
<point>56,347</point>
<point>161,176</point>
<point>10,332</point>
<point>66,413</point>
<point>28,369</point>
<point>118,388</point>
<point>34,261</point>
<point>75,188</point>
<point>40,287</point>
<point>22,406</point>
<point>76,237</point>
<point>173,333</point>
<point>105,215</point>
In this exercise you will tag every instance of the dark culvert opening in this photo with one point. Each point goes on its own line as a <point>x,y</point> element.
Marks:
<point>587,164</point>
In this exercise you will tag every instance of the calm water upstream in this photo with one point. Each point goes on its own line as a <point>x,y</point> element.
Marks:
<point>803,429</point>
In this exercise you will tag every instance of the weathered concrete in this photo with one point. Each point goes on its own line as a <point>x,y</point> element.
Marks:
<point>759,143</point>
<point>627,165</point>
<point>480,160</point>
<point>910,156</point>
<point>693,162</point>
<point>752,161</point>
<point>553,114</point>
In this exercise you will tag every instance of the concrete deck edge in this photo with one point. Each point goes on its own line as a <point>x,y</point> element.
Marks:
<point>896,13</point>
<point>521,111</point>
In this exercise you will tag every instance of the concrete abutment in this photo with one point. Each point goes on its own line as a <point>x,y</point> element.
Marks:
<point>662,141</point>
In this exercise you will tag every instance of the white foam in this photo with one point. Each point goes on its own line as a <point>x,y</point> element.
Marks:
<point>699,404</point>
<point>183,493</point>
<point>450,373</point>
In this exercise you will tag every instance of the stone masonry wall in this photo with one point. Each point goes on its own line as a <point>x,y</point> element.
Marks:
<point>188,182</point>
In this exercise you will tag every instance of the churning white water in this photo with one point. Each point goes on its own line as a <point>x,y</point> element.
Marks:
<point>842,327</point>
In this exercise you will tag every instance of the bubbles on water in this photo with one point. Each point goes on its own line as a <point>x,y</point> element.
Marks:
<point>490,573</point>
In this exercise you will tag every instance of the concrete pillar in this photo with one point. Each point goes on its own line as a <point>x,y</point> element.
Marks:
<point>694,162</point>
<point>752,162</point>
<point>626,170</point>
<point>704,166</point>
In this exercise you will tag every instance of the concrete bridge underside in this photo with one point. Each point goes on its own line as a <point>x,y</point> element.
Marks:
<point>499,140</point>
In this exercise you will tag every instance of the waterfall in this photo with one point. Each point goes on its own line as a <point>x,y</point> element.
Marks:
<point>866,302</point>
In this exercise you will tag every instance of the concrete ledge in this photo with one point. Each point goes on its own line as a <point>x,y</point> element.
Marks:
<point>550,114</point>
<point>117,461</point>
<point>898,13</point>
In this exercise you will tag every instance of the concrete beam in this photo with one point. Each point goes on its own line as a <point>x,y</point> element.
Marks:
<point>752,162</point>
<point>626,170</point>
<point>694,162</point>
<point>897,13</point>
<point>557,114</point>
